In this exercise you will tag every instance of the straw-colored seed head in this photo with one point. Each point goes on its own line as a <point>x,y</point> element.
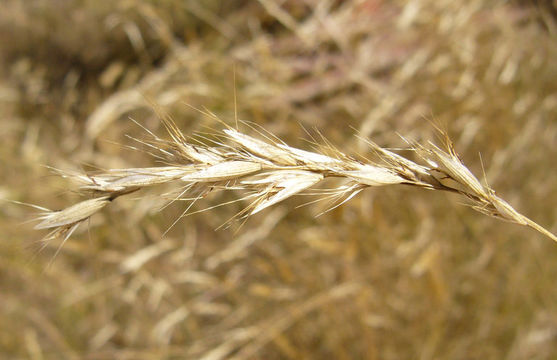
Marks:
<point>289,171</point>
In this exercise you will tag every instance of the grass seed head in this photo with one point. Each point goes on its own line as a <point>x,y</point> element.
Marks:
<point>290,172</point>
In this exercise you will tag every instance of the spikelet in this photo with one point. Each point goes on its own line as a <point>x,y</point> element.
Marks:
<point>261,148</point>
<point>224,171</point>
<point>373,176</point>
<point>282,184</point>
<point>121,179</point>
<point>314,160</point>
<point>73,214</point>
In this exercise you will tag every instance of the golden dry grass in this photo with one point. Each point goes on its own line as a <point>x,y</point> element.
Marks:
<point>394,273</point>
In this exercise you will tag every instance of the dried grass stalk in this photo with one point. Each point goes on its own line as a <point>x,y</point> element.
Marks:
<point>271,171</point>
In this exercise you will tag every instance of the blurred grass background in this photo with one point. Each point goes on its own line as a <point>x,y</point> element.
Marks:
<point>396,273</point>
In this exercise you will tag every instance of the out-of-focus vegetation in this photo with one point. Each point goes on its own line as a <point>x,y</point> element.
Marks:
<point>395,273</point>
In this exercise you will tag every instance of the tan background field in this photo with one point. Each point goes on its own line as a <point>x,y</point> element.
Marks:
<point>395,273</point>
